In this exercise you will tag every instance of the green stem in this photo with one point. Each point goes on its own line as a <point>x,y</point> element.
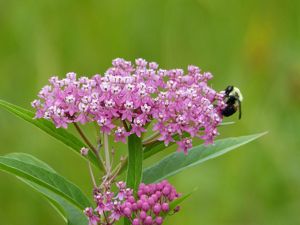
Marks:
<point>107,158</point>
<point>151,139</point>
<point>98,136</point>
<point>92,175</point>
<point>86,140</point>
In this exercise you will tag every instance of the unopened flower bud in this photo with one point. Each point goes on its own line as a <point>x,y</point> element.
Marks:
<point>148,220</point>
<point>84,151</point>
<point>165,207</point>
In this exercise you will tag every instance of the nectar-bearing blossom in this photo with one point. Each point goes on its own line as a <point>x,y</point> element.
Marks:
<point>148,208</point>
<point>131,96</point>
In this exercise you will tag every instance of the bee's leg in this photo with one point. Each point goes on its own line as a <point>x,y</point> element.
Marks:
<point>240,109</point>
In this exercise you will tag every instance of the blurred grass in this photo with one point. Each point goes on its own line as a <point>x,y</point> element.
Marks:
<point>251,44</point>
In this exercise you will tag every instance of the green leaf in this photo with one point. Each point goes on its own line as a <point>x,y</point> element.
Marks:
<point>177,161</point>
<point>71,214</point>
<point>179,200</point>
<point>30,160</point>
<point>135,165</point>
<point>135,162</point>
<point>42,177</point>
<point>47,126</point>
<point>158,146</point>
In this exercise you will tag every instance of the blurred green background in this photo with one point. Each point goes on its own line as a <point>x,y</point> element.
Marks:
<point>252,44</point>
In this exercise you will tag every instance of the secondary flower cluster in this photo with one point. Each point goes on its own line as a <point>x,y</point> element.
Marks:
<point>149,208</point>
<point>128,97</point>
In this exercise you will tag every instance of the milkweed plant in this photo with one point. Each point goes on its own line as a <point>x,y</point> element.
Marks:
<point>148,109</point>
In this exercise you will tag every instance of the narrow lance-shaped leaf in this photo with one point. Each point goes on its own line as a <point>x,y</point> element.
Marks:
<point>177,161</point>
<point>26,169</point>
<point>179,200</point>
<point>135,161</point>
<point>71,214</point>
<point>135,165</point>
<point>159,146</point>
<point>58,133</point>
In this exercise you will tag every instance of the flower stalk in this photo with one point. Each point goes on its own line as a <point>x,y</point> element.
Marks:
<point>151,139</point>
<point>92,175</point>
<point>107,155</point>
<point>94,150</point>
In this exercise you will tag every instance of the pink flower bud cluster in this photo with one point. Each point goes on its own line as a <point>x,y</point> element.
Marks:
<point>149,208</point>
<point>128,97</point>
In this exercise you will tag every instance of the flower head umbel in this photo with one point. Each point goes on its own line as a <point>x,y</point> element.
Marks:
<point>131,96</point>
<point>148,208</point>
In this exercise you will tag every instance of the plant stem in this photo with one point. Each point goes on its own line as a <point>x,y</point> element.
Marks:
<point>98,136</point>
<point>106,219</point>
<point>125,126</point>
<point>86,140</point>
<point>107,157</point>
<point>114,174</point>
<point>92,175</point>
<point>150,142</point>
<point>151,139</point>
<point>120,167</point>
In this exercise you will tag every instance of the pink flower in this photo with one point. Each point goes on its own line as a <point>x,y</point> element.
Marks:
<point>138,126</point>
<point>178,103</point>
<point>105,124</point>
<point>121,134</point>
<point>93,219</point>
<point>184,145</point>
<point>147,208</point>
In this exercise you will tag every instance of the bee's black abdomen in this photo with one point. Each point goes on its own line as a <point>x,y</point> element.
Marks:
<point>229,110</point>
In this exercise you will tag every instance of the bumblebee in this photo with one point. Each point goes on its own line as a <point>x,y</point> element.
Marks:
<point>233,98</point>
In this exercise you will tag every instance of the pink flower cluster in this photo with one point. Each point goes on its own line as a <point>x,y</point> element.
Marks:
<point>151,205</point>
<point>129,97</point>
